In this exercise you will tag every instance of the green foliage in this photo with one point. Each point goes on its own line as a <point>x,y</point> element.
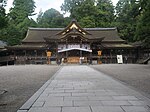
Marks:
<point>85,9</point>
<point>87,22</point>
<point>23,26</point>
<point>99,13</point>
<point>70,5</point>
<point>21,9</point>
<point>50,19</point>
<point>18,21</point>
<point>3,19</point>
<point>127,12</point>
<point>105,15</point>
<point>143,27</point>
<point>130,16</point>
<point>11,35</point>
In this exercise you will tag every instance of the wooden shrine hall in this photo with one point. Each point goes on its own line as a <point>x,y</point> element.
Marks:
<point>72,44</point>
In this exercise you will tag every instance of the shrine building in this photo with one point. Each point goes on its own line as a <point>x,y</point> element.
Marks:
<point>73,44</point>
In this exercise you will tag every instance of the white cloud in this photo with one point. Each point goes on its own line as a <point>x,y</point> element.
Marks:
<point>45,5</point>
<point>115,2</point>
<point>9,5</point>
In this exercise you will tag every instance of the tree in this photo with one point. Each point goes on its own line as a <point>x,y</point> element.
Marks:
<point>70,6</point>
<point>127,12</point>
<point>18,21</point>
<point>87,22</point>
<point>3,19</point>
<point>86,8</point>
<point>23,26</point>
<point>143,27</point>
<point>105,15</point>
<point>10,34</point>
<point>21,9</point>
<point>83,11</point>
<point>13,34</point>
<point>50,18</point>
<point>100,13</point>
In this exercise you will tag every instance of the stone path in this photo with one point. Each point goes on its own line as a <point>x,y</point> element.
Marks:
<point>83,89</point>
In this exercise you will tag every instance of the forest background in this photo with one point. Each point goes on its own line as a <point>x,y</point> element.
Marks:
<point>131,17</point>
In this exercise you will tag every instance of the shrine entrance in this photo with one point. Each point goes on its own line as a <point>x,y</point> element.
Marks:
<point>73,60</point>
<point>75,56</point>
<point>75,44</point>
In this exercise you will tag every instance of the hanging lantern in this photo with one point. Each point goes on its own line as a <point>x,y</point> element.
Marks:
<point>49,53</point>
<point>99,53</point>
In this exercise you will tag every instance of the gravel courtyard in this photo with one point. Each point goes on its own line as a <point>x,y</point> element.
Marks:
<point>20,83</point>
<point>137,76</point>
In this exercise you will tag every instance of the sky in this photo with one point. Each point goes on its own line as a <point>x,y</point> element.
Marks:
<point>45,5</point>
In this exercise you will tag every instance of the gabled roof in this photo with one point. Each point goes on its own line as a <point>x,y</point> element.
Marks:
<point>39,34</point>
<point>73,26</point>
<point>109,34</point>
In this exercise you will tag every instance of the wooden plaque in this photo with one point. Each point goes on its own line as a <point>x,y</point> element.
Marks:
<point>49,54</point>
<point>99,53</point>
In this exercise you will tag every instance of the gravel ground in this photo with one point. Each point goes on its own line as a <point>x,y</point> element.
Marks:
<point>19,83</point>
<point>137,76</point>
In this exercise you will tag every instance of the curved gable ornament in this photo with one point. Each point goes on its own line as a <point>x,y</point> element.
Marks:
<point>75,27</point>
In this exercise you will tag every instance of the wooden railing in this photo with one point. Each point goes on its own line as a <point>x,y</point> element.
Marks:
<point>6,58</point>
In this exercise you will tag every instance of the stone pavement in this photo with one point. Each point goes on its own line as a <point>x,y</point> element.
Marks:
<point>83,89</point>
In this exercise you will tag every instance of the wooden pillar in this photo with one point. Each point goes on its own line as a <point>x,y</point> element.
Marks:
<point>15,58</point>
<point>110,56</point>
<point>35,52</point>
<point>80,47</point>
<point>57,52</point>
<point>130,56</point>
<point>35,56</point>
<point>25,53</point>
<point>66,48</point>
<point>90,60</point>
<point>25,58</point>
